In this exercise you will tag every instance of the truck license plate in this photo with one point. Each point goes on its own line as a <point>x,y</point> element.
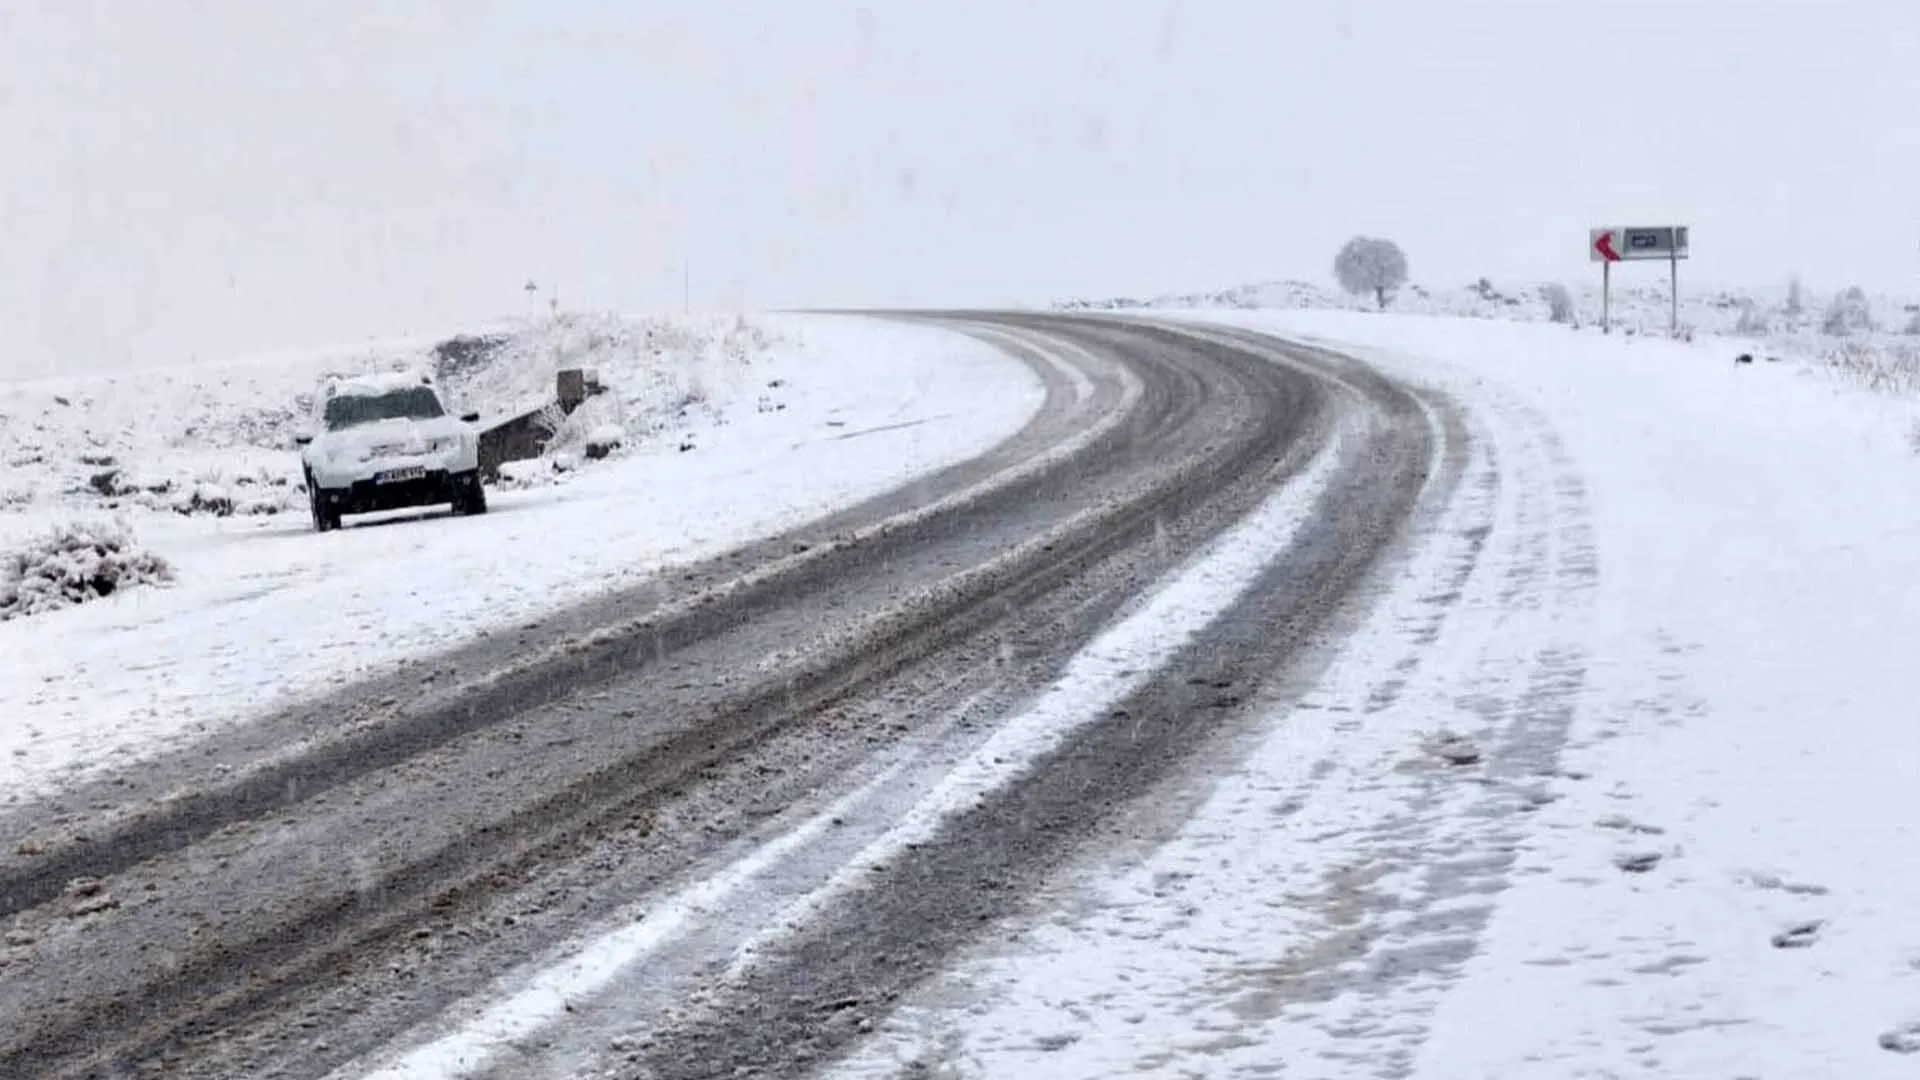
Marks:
<point>395,476</point>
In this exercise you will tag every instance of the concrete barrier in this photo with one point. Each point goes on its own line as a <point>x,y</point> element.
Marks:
<point>523,436</point>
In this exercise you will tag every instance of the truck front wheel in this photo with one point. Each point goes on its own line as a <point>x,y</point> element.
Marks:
<point>325,518</point>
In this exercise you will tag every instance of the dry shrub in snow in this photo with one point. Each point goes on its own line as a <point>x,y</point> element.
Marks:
<point>596,427</point>
<point>1892,368</point>
<point>1559,302</point>
<point>72,564</point>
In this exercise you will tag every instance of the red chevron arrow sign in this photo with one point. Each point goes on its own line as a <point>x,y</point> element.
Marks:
<point>1611,245</point>
<point>1616,244</point>
<point>1601,246</point>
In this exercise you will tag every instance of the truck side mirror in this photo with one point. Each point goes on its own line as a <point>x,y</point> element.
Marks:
<point>470,418</point>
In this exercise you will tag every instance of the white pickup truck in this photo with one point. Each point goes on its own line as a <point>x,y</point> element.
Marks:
<point>383,442</point>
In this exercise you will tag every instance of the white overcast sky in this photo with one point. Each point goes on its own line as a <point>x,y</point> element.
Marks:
<point>203,178</point>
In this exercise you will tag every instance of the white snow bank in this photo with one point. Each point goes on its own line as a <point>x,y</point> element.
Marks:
<point>1751,697</point>
<point>1666,838</point>
<point>264,610</point>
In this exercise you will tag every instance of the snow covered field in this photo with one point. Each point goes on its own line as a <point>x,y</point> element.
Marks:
<point>761,425</point>
<point>1860,338</point>
<point>1618,778</point>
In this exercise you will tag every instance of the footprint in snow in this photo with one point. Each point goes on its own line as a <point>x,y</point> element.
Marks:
<point>1626,824</point>
<point>1800,935</point>
<point>1902,1040</point>
<point>1453,749</point>
<point>1771,882</point>
<point>1638,862</point>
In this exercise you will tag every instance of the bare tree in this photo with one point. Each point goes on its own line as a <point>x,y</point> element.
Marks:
<point>1850,311</point>
<point>1367,265</point>
<point>1559,302</point>
<point>1796,297</point>
<point>1753,323</point>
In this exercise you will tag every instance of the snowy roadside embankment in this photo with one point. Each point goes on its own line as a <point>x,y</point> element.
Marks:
<point>1614,780</point>
<point>1857,338</point>
<point>812,414</point>
<point>217,439</point>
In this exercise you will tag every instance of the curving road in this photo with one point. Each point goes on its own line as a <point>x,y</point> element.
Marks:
<point>704,757</point>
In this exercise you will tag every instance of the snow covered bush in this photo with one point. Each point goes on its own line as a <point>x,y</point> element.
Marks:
<point>554,422</point>
<point>1752,323</point>
<point>1559,302</point>
<point>531,473</point>
<point>72,564</point>
<point>1367,266</point>
<point>203,498</point>
<point>1484,289</point>
<point>462,355</point>
<point>1796,298</point>
<point>604,440</point>
<point>1849,312</point>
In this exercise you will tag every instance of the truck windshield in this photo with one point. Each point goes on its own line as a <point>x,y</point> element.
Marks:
<point>412,403</point>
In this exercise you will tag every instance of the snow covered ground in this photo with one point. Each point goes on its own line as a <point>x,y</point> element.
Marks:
<point>1620,777</point>
<point>1864,339</point>
<point>761,425</point>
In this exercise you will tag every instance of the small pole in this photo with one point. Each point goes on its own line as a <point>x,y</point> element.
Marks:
<point>1673,262</point>
<point>1606,297</point>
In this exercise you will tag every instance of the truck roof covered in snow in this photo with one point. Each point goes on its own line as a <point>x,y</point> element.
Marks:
<point>375,384</point>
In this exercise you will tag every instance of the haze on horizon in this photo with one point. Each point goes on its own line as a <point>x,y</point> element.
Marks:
<point>203,179</point>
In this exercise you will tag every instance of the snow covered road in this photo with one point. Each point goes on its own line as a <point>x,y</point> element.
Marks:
<point>1507,702</point>
<point>1614,781</point>
<point>315,889</point>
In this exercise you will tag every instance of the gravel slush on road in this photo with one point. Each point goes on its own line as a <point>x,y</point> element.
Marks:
<point>514,811</point>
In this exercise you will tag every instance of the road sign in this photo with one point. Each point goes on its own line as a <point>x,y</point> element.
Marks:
<point>1617,244</point>
<point>1613,244</point>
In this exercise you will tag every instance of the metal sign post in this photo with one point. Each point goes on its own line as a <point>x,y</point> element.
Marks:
<point>1673,289</point>
<point>1607,246</point>
<point>1606,297</point>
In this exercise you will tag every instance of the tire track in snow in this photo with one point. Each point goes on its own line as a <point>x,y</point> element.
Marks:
<point>288,945</point>
<point>1112,667</point>
<point>808,991</point>
<point>1323,939</point>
